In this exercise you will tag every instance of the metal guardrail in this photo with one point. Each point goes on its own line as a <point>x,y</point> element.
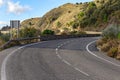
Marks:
<point>28,40</point>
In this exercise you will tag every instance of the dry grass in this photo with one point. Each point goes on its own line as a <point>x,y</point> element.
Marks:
<point>113,52</point>
<point>110,46</point>
<point>105,47</point>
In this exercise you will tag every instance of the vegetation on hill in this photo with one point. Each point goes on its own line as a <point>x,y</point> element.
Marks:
<point>4,38</point>
<point>110,41</point>
<point>91,16</point>
<point>96,17</point>
<point>57,19</point>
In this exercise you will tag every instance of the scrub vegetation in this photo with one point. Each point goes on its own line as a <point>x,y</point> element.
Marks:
<point>110,41</point>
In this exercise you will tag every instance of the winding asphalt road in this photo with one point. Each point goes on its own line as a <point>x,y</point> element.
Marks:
<point>67,59</point>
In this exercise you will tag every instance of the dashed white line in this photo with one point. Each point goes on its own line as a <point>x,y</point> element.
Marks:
<point>56,49</point>
<point>59,57</point>
<point>67,61</point>
<point>87,48</point>
<point>81,71</point>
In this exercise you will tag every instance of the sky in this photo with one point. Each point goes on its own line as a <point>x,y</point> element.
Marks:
<point>25,9</point>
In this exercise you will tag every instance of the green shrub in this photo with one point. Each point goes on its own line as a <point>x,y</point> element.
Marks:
<point>105,17</point>
<point>59,24</point>
<point>111,31</point>
<point>119,35</point>
<point>28,32</point>
<point>48,32</point>
<point>5,37</point>
<point>92,4</point>
<point>1,41</point>
<point>77,3</point>
<point>90,9</point>
<point>80,15</point>
<point>75,25</point>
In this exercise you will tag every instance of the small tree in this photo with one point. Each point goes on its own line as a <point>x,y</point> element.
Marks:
<point>80,15</point>
<point>77,3</point>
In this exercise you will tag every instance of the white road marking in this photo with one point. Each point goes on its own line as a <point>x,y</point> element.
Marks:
<point>67,61</point>
<point>59,57</point>
<point>81,71</point>
<point>56,49</point>
<point>87,48</point>
<point>3,67</point>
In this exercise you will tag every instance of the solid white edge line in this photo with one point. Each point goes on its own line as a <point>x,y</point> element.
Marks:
<point>3,67</point>
<point>87,48</point>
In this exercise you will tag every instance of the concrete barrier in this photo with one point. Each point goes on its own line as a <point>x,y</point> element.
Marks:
<point>24,41</point>
<point>55,37</point>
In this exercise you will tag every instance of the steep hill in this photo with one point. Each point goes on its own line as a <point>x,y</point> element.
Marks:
<point>32,22</point>
<point>57,19</point>
<point>95,16</point>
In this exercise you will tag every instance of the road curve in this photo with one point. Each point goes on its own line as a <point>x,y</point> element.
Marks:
<point>67,59</point>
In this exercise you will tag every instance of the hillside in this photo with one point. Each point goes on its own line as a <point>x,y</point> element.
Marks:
<point>57,19</point>
<point>32,22</point>
<point>91,16</point>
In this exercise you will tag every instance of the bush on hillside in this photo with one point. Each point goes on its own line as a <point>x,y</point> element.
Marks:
<point>90,9</point>
<point>5,37</point>
<point>48,32</point>
<point>28,32</point>
<point>119,35</point>
<point>1,41</point>
<point>59,24</point>
<point>80,15</point>
<point>112,31</point>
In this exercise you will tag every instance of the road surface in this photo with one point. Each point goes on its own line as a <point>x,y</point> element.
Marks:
<point>67,59</point>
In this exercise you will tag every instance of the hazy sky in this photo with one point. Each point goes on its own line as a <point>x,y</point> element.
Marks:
<point>23,9</point>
